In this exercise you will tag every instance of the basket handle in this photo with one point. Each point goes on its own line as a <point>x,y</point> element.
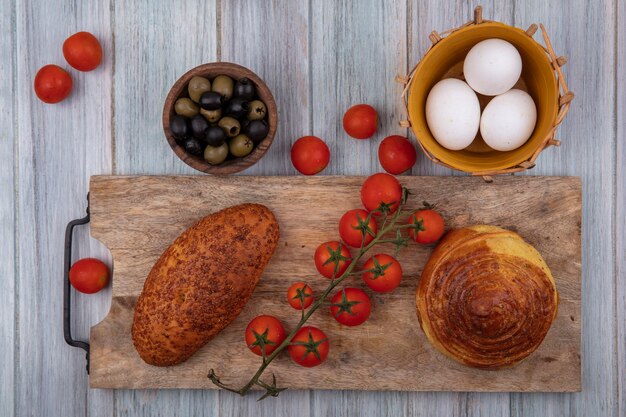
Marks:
<point>67,331</point>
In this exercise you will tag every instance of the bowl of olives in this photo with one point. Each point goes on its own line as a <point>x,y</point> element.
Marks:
<point>220,118</point>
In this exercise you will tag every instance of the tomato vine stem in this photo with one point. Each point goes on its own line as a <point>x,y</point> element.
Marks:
<point>388,225</point>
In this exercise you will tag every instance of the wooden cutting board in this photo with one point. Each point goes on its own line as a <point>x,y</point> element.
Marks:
<point>138,217</point>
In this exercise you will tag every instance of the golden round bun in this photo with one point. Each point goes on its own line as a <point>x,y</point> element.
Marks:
<point>486,298</point>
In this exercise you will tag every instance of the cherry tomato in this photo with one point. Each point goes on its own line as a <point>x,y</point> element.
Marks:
<point>52,84</point>
<point>351,306</point>
<point>265,331</point>
<point>396,154</point>
<point>428,226</point>
<point>300,295</point>
<point>310,155</point>
<point>89,275</point>
<point>309,347</point>
<point>82,51</point>
<point>330,256</point>
<point>381,190</point>
<point>354,225</point>
<point>360,121</point>
<point>385,273</point>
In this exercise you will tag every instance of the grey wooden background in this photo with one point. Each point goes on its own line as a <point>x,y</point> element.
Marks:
<point>318,57</point>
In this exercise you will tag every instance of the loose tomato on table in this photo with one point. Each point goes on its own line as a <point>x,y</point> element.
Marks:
<point>351,306</point>
<point>360,121</point>
<point>332,259</point>
<point>384,273</point>
<point>300,295</point>
<point>82,51</point>
<point>52,84</point>
<point>264,331</point>
<point>396,154</point>
<point>309,347</point>
<point>310,155</point>
<point>89,275</point>
<point>428,226</point>
<point>355,229</point>
<point>381,191</point>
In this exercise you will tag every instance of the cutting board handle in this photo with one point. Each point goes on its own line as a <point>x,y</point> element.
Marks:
<point>67,331</point>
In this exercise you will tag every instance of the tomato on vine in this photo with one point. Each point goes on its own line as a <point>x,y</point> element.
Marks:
<point>428,226</point>
<point>356,228</point>
<point>381,192</point>
<point>300,295</point>
<point>332,259</point>
<point>264,331</point>
<point>309,347</point>
<point>383,273</point>
<point>351,306</point>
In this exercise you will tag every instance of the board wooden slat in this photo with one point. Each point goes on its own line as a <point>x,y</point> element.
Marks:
<point>138,217</point>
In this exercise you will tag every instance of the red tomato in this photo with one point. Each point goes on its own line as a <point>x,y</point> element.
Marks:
<point>265,331</point>
<point>52,84</point>
<point>300,295</point>
<point>381,189</point>
<point>89,275</point>
<point>309,347</point>
<point>310,155</point>
<point>428,226</point>
<point>396,154</point>
<point>330,256</point>
<point>385,273</point>
<point>360,121</point>
<point>82,51</point>
<point>351,306</point>
<point>353,225</point>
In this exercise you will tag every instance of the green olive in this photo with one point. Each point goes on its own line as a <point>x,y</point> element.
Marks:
<point>241,146</point>
<point>257,110</point>
<point>185,107</point>
<point>215,155</point>
<point>230,125</point>
<point>211,115</point>
<point>223,85</point>
<point>197,86</point>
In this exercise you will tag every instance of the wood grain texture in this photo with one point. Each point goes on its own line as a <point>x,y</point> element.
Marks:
<point>586,56</point>
<point>155,43</point>
<point>58,147</point>
<point>620,208</point>
<point>138,217</point>
<point>8,295</point>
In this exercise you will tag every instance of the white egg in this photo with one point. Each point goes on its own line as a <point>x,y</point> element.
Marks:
<point>492,67</point>
<point>508,120</point>
<point>453,113</point>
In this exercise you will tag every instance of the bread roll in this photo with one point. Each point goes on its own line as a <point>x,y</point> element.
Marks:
<point>201,282</point>
<point>486,298</point>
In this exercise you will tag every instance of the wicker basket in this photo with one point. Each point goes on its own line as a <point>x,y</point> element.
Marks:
<point>546,85</point>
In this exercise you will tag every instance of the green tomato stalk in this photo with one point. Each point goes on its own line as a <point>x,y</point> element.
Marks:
<point>389,224</point>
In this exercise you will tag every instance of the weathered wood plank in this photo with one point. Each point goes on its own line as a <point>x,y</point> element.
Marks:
<point>424,17</point>
<point>275,45</point>
<point>155,43</point>
<point>7,208</point>
<point>589,129</point>
<point>620,208</point>
<point>58,148</point>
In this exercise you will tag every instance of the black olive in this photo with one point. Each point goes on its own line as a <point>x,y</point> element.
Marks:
<point>211,100</point>
<point>237,108</point>
<point>193,146</point>
<point>257,130</point>
<point>244,89</point>
<point>179,127</point>
<point>199,125</point>
<point>215,136</point>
